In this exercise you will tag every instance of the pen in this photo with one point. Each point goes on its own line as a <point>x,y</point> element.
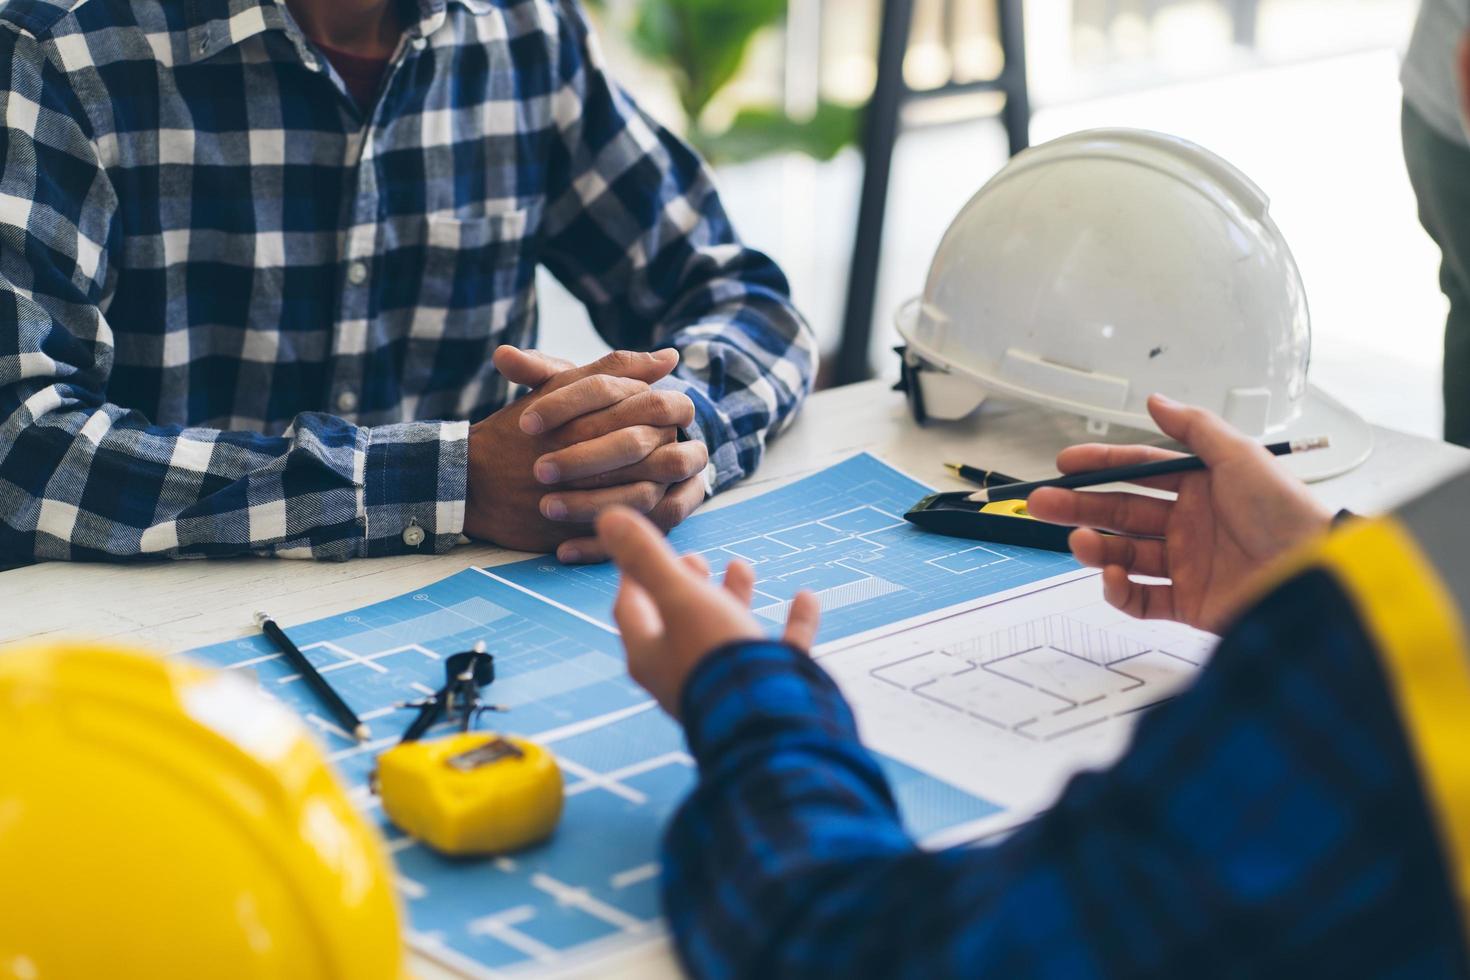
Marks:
<point>1124,474</point>
<point>345,716</point>
<point>979,477</point>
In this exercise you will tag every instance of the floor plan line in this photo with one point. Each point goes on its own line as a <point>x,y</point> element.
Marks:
<point>550,602</point>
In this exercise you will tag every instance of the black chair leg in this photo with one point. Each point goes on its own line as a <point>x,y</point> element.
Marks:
<point>1017,111</point>
<point>880,133</point>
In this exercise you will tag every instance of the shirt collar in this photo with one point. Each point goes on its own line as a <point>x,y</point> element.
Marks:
<point>431,18</point>
<point>218,24</point>
<point>214,25</point>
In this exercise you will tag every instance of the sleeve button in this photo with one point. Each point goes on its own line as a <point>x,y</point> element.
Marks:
<point>413,535</point>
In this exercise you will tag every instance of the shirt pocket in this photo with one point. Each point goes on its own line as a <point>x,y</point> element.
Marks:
<point>476,291</point>
<point>476,262</point>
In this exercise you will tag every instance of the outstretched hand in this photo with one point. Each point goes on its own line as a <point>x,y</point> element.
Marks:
<point>671,615</point>
<point>1228,522</point>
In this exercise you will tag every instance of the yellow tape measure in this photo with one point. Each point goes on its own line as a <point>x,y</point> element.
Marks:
<point>471,793</point>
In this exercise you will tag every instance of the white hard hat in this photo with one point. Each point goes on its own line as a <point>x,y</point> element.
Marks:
<point>1099,268</point>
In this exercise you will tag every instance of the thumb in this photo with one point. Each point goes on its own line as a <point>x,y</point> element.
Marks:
<point>645,366</point>
<point>528,367</point>
<point>641,553</point>
<point>1204,433</point>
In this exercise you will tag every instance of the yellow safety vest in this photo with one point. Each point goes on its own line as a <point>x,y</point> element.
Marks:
<point>1409,577</point>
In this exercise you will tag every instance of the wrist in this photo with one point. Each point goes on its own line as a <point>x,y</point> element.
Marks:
<point>746,691</point>
<point>475,525</point>
<point>1323,520</point>
<point>480,489</point>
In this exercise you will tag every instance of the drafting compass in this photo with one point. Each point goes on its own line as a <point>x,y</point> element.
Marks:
<point>470,792</point>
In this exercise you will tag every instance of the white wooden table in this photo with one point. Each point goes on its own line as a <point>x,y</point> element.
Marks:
<point>177,605</point>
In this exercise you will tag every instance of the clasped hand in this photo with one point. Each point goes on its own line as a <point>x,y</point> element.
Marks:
<point>584,439</point>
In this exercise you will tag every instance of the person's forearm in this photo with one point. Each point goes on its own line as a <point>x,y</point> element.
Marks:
<point>91,481</point>
<point>779,762</point>
<point>1267,822</point>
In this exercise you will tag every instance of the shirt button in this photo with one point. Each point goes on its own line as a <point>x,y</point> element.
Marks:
<point>357,273</point>
<point>413,535</point>
<point>418,44</point>
<point>346,401</point>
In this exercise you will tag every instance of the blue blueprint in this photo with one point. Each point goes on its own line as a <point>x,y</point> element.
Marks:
<point>624,763</point>
<point>840,533</point>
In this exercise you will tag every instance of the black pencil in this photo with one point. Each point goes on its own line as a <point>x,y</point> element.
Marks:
<point>1129,474</point>
<point>345,716</point>
<point>978,476</point>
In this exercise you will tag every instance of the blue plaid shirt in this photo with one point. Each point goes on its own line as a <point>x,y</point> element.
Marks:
<point>238,313</point>
<point>1268,822</point>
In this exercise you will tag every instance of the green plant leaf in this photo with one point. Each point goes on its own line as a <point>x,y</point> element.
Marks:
<point>702,41</point>
<point>758,132</point>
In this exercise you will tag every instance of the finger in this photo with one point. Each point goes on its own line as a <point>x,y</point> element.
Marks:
<point>673,462</point>
<point>641,551</point>
<point>802,620</point>
<point>581,551</point>
<point>681,500</point>
<point>1096,456</point>
<point>1125,513</point>
<point>583,506</point>
<point>1205,433</point>
<point>531,368</point>
<point>1137,556</point>
<point>653,406</point>
<point>740,582</point>
<point>610,452</point>
<point>1136,599</point>
<point>645,366</point>
<point>636,615</point>
<point>696,564</point>
<point>591,394</point>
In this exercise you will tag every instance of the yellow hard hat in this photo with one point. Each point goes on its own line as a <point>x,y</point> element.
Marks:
<point>158,819</point>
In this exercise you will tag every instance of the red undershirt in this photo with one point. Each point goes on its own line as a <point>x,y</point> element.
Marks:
<point>361,75</point>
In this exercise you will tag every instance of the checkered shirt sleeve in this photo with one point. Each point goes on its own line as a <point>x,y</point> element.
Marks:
<point>1268,822</point>
<point>747,358</point>
<point>239,314</point>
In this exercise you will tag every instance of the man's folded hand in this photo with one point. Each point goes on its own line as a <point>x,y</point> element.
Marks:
<point>584,439</point>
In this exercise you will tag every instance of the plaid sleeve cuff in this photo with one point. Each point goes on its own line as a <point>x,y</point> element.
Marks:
<point>412,490</point>
<point>711,428</point>
<point>753,692</point>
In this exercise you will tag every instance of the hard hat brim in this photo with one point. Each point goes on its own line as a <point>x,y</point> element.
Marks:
<point>1322,415</point>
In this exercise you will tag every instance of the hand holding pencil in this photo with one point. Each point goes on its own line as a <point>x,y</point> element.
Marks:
<point>1229,521</point>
